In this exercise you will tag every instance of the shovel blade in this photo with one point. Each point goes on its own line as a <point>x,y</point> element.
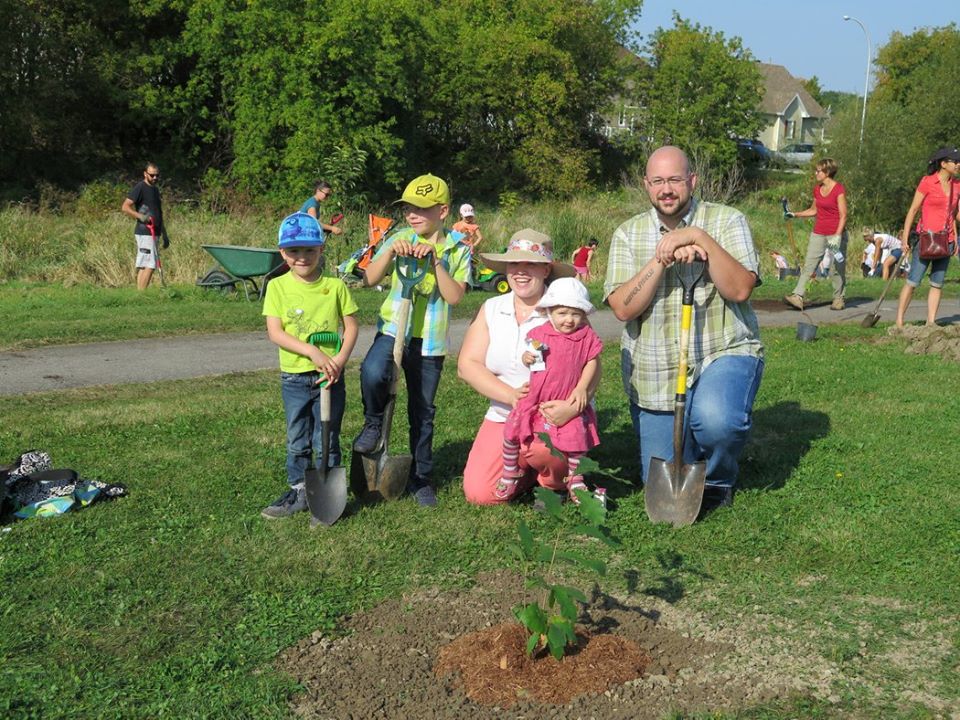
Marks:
<point>672,496</point>
<point>393,476</point>
<point>870,320</point>
<point>326,493</point>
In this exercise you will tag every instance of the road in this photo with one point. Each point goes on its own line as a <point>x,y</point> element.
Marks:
<point>187,356</point>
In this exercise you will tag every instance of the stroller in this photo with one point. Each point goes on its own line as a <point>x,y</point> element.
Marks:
<point>351,270</point>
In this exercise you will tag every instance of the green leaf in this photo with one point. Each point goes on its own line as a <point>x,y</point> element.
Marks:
<point>536,581</point>
<point>557,638</point>
<point>552,504</point>
<point>532,617</point>
<point>590,508</point>
<point>600,533</point>
<point>545,439</point>
<point>598,566</point>
<point>574,593</point>
<point>526,539</point>
<point>532,643</point>
<point>568,608</point>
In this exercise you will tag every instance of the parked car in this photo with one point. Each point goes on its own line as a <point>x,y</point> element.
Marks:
<point>796,154</point>
<point>752,152</point>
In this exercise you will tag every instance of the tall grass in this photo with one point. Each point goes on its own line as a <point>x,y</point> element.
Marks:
<point>89,241</point>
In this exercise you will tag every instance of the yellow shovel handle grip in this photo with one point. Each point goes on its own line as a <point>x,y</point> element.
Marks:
<point>685,318</point>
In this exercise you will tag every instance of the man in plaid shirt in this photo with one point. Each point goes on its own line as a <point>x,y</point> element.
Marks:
<point>647,255</point>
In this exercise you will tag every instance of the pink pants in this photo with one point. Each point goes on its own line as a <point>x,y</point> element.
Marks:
<point>485,466</point>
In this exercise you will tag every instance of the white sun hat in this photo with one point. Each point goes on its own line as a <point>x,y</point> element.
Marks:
<point>568,292</point>
<point>466,210</point>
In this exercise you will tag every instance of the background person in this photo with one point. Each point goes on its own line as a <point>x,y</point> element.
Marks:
<point>937,197</point>
<point>582,259</point>
<point>311,206</point>
<point>495,369</point>
<point>143,202</point>
<point>884,253</point>
<point>828,237</point>
<point>726,358</point>
<point>467,224</point>
<point>569,350</point>
<point>298,304</point>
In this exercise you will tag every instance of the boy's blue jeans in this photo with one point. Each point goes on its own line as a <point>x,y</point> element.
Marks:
<point>301,405</point>
<point>422,375</point>
<point>717,420</point>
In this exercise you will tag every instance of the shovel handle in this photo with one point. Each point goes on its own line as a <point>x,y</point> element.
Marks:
<point>325,405</point>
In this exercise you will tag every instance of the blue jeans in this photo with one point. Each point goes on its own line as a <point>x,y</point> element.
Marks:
<point>422,375</point>
<point>918,268</point>
<point>717,421</point>
<point>301,405</point>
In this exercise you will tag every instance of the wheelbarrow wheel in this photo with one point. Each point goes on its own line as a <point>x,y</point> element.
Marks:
<point>219,281</point>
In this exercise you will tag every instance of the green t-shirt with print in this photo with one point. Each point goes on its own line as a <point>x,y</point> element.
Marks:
<point>307,308</point>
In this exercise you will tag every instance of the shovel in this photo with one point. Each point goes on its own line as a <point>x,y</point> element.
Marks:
<point>379,473</point>
<point>326,486</point>
<point>870,320</point>
<point>674,491</point>
<point>793,241</point>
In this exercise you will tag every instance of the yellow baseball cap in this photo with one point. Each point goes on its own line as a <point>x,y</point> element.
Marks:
<point>426,191</point>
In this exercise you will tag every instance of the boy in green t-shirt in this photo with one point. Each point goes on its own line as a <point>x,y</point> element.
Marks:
<point>425,205</point>
<point>298,304</point>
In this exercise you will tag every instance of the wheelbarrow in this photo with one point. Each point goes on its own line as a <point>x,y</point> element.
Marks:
<point>240,265</point>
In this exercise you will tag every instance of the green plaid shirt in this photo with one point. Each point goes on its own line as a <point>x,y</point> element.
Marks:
<point>430,315</point>
<point>651,347</point>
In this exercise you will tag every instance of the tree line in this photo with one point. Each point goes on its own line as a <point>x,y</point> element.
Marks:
<point>261,96</point>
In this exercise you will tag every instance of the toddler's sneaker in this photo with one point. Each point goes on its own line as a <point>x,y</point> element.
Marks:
<point>290,503</point>
<point>507,485</point>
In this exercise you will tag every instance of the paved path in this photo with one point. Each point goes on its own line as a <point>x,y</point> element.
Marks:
<point>137,361</point>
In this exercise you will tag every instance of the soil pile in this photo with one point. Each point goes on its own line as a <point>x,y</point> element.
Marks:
<point>494,668</point>
<point>942,340</point>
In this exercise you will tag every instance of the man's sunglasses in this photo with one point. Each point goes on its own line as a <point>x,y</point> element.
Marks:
<point>153,175</point>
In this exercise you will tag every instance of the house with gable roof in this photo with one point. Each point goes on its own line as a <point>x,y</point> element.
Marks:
<point>792,115</point>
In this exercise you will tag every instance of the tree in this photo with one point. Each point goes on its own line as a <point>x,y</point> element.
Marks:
<point>704,91</point>
<point>812,86</point>
<point>907,119</point>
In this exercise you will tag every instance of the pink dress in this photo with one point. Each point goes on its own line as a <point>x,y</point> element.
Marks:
<point>565,358</point>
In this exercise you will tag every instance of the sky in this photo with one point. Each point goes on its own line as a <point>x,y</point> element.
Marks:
<point>808,38</point>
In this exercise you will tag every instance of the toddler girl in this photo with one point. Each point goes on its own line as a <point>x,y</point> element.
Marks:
<point>570,350</point>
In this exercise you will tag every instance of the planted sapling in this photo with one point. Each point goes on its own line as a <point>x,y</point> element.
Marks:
<point>550,621</point>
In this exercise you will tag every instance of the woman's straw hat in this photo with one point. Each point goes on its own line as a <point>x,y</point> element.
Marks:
<point>531,246</point>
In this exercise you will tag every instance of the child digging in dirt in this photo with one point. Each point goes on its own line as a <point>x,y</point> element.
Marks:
<point>297,305</point>
<point>570,352</point>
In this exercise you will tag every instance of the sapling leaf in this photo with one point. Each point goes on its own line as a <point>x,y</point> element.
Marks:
<point>545,554</point>
<point>532,617</point>
<point>557,638</point>
<point>568,608</point>
<point>551,503</point>
<point>536,581</point>
<point>545,438</point>
<point>526,539</point>
<point>574,593</point>
<point>600,533</point>
<point>532,643</point>
<point>570,633</point>
<point>590,508</point>
<point>597,566</point>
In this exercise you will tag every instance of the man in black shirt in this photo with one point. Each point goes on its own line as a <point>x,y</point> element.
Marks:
<point>143,203</point>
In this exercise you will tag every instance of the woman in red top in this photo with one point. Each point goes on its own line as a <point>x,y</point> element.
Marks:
<point>936,197</point>
<point>829,233</point>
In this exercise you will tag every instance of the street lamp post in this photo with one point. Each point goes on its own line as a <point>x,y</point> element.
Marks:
<point>866,83</point>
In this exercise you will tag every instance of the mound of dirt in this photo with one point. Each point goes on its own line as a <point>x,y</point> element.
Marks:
<point>942,340</point>
<point>494,668</point>
<point>384,666</point>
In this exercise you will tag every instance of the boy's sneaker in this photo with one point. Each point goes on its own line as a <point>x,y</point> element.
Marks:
<point>794,300</point>
<point>368,439</point>
<point>425,496</point>
<point>292,502</point>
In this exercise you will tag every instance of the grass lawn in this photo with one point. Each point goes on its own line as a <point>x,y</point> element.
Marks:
<point>174,601</point>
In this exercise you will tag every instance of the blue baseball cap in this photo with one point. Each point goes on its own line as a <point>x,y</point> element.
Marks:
<point>300,230</point>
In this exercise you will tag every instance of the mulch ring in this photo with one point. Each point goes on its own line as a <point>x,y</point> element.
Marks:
<point>494,668</point>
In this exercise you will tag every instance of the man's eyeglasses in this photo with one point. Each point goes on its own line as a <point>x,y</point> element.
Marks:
<point>659,182</point>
